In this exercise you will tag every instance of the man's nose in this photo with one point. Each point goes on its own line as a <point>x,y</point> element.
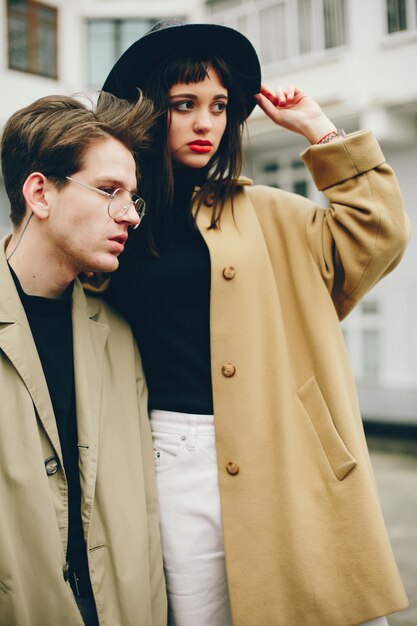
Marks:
<point>131,216</point>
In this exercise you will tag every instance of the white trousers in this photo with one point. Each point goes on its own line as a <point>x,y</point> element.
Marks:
<point>191,528</point>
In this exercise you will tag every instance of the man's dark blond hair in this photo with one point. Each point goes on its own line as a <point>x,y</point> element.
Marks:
<point>53,134</point>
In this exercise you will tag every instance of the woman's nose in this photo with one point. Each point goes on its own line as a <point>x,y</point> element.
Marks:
<point>203,123</point>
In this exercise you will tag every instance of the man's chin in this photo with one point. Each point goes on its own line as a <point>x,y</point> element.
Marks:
<point>104,267</point>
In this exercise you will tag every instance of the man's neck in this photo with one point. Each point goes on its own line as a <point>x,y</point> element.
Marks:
<point>38,273</point>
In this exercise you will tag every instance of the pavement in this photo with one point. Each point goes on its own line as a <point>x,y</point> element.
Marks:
<point>395,466</point>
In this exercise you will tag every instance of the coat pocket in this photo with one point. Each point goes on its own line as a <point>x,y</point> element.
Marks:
<point>339,457</point>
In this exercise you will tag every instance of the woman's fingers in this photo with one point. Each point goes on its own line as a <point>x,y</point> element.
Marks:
<point>281,96</point>
<point>269,95</point>
<point>290,92</point>
<point>268,104</point>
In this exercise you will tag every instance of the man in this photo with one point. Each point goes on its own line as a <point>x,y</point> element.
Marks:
<point>79,538</point>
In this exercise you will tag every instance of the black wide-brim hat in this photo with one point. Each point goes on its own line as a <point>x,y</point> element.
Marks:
<point>168,38</point>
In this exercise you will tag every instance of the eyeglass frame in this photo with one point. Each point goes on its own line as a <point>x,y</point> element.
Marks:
<point>140,212</point>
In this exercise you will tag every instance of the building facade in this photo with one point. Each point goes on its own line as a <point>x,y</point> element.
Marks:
<point>356,58</point>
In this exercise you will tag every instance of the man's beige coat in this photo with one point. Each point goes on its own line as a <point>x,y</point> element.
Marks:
<point>305,541</point>
<point>119,507</point>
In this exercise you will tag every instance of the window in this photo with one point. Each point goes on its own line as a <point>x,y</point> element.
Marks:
<point>273,43</point>
<point>401,15</point>
<point>370,353</point>
<point>270,166</point>
<point>224,4</point>
<point>280,29</point>
<point>370,307</point>
<point>321,24</point>
<point>301,188</point>
<point>364,333</point>
<point>288,175</point>
<point>305,34</point>
<point>32,37</point>
<point>107,40</point>
<point>334,23</point>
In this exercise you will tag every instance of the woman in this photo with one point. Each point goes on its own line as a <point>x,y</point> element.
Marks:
<point>269,514</point>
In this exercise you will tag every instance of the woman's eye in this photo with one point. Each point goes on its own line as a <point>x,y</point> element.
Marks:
<point>219,107</point>
<point>187,105</point>
<point>109,190</point>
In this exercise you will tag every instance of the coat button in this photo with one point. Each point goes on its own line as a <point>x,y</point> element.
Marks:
<point>65,571</point>
<point>228,370</point>
<point>51,465</point>
<point>229,272</point>
<point>232,468</point>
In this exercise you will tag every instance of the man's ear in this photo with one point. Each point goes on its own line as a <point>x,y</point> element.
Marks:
<point>34,191</point>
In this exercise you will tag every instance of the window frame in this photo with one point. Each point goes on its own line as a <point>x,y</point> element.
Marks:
<point>33,38</point>
<point>410,18</point>
<point>115,42</point>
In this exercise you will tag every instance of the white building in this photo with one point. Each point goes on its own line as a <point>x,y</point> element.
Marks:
<point>358,59</point>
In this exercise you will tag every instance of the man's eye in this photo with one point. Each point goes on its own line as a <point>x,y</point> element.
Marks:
<point>109,190</point>
<point>187,105</point>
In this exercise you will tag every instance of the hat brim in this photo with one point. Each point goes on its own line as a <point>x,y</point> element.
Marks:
<point>130,70</point>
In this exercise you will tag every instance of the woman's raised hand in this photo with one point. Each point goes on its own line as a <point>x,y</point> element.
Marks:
<point>294,110</point>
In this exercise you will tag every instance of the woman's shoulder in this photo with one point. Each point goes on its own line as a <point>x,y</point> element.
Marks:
<point>267,197</point>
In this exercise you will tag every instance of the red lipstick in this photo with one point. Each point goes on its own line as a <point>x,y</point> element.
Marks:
<point>200,146</point>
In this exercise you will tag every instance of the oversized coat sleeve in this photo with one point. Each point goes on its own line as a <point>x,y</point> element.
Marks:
<point>363,233</point>
<point>157,584</point>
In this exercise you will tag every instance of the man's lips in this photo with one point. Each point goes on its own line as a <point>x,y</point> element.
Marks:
<point>120,238</point>
<point>200,145</point>
<point>119,241</point>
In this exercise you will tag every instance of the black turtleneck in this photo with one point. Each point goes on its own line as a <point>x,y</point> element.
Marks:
<point>166,299</point>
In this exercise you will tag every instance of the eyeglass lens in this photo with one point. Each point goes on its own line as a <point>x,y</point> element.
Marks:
<point>121,201</point>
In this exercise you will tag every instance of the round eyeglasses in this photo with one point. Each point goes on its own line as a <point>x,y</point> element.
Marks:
<point>120,201</point>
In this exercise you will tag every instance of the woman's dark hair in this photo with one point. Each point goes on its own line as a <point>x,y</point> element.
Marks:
<point>223,169</point>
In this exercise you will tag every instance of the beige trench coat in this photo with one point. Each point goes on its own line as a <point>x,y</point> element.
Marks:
<point>305,541</point>
<point>119,507</point>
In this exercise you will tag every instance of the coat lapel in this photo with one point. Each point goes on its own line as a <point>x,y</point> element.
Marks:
<point>17,343</point>
<point>89,338</point>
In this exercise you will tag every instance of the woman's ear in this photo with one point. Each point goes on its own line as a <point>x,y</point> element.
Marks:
<point>34,191</point>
